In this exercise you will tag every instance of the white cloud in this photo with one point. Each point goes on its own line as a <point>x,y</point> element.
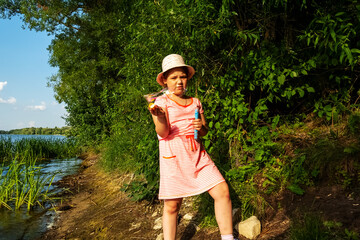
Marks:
<point>2,84</point>
<point>40,107</point>
<point>10,100</point>
<point>31,124</point>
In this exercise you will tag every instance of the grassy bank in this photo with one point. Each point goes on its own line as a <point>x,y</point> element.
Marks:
<point>22,183</point>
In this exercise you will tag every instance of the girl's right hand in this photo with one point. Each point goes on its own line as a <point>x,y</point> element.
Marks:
<point>156,111</point>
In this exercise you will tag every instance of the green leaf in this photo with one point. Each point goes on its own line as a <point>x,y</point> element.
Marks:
<point>310,89</point>
<point>217,125</point>
<point>348,54</point>
<point>316,41</point>
<point>327,108</point>
<point>251,87</point>
<point>296,189</point>
<point>333,34</point>
<point>339,14</point>
<point>281,79</point>
<point>301,92</point>
<point>355,50</point>
<point>275,121</point>
<point>293,74</point>
<point>207,143</point>
<point>312,63</point>
<point>342,55</point>
<point>259,155</point>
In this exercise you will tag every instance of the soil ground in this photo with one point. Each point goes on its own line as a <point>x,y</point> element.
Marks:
<point>93,207</point>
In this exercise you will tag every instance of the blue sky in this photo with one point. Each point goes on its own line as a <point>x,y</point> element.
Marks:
<point>25,99</point>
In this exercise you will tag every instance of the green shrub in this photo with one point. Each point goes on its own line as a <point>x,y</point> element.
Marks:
<point>309,228</point>
<point>354,124</point>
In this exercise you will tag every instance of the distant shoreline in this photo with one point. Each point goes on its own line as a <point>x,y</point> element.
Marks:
<point>39,131</point>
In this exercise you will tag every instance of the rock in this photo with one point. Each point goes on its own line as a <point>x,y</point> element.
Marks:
<point>188,217</point>
<point>160,236</point>
<point>250,228</point>
<point>158,223</point>
<point>135,226</point>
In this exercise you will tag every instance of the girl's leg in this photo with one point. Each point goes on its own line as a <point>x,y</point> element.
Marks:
<point>223,208</point>
<point>171,210</point>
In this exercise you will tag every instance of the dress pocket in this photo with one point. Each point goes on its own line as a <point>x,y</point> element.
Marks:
<point>168,165</point>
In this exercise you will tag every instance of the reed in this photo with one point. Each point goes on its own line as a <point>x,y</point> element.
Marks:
<point>6,148</point>
<point>42,148</point>
<point>22,183</point>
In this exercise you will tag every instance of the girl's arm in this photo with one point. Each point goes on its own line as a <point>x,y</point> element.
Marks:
<point>201,125</point>
<point>160,120</point>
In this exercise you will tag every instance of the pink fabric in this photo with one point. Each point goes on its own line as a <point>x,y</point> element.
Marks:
<point>185,167</point>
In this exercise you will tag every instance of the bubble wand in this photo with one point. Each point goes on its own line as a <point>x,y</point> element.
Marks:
<point>151,97</point>
<point>196,117</point>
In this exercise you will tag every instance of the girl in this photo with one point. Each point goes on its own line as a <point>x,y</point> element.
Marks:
<point>185,167</point>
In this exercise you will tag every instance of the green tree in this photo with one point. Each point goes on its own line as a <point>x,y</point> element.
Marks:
<point>258,63</point>
<point>87,50</point>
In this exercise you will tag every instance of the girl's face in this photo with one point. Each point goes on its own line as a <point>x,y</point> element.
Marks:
<point>176,81</point>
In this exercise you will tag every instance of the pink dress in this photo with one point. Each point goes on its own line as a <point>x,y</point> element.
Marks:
<point>185,167</point>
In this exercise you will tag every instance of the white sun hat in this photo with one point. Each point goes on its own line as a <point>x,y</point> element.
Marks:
<point>173,61</point>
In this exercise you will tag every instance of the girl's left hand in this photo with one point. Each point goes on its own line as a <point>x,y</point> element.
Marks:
<point>197,123</point>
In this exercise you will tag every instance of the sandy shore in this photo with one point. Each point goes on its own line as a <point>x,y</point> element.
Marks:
<point>93,207</point>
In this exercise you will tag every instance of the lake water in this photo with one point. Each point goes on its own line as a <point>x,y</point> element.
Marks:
<point>30,225</point>
<point>16,137</point>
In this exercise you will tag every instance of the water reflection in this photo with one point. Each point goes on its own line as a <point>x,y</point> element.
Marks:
<point>60,167</point>
<point>25,225</point>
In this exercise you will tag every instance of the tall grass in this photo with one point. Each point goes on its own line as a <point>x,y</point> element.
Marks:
<point>312,226</point>
<point>22,183</point>
<point>42,148</point>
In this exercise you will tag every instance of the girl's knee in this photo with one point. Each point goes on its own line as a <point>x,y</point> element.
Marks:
<point>172,207</point>
<point>220,192</point>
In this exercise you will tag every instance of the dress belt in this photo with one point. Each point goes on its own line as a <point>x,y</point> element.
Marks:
<point>192,142</point>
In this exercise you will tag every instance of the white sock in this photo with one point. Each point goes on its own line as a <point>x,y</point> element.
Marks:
<point>227,237</point>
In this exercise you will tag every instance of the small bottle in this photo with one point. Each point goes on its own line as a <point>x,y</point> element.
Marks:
<point>196,117</point>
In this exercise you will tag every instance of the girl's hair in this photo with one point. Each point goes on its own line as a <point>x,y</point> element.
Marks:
<point>185,69</point>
